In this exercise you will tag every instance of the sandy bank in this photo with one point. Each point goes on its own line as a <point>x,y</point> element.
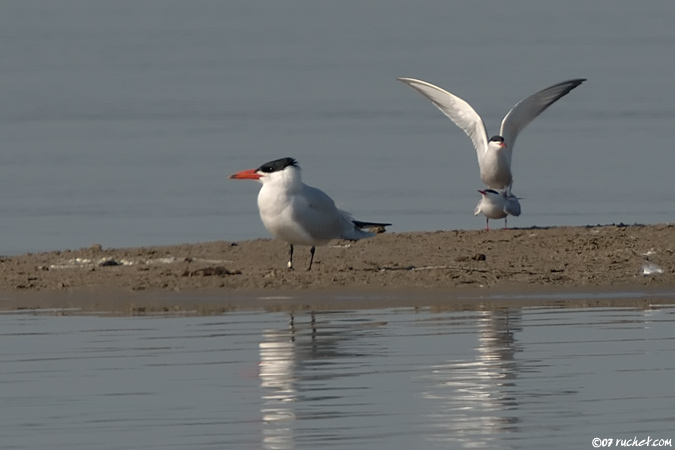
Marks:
<point>439,263</point>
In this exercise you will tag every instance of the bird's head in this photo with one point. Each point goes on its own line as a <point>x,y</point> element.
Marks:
<point>269,171</point>
<point>489,193</point>
<point>496,143</point>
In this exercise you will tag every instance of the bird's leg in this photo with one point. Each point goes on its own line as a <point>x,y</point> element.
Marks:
<point>290,258</point>
<point>311,259</point>
<point>487,223</point>
<point>505,226</point>
<point>292,327</point>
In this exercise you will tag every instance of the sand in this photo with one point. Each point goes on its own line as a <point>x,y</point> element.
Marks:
<point>449,263</point>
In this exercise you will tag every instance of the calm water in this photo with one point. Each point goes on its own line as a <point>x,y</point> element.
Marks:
<point>525,378</point>
<point>120,121</point>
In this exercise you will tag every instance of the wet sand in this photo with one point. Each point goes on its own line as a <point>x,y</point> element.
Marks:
<point>398,266</point>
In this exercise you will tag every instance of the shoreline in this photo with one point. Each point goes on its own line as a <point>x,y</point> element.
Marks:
<point>192,303</point>
<point>428,264</point>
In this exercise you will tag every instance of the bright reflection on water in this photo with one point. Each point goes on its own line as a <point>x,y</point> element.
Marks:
<point>475,405</point>
<point>390,378</point>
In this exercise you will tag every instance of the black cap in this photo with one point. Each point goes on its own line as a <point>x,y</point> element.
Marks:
<point>277,165</point>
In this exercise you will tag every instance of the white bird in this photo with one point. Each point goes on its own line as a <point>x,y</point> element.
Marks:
<point>300,214</point>
<point>494,154</point>
<point>497,205</point>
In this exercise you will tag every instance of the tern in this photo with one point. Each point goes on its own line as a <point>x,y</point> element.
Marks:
<point>494,154</point>
<point>497,205</point>
<point>300,214</point>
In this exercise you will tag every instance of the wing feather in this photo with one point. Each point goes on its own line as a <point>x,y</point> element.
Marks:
<point>457,110</point>
<point>526,110</point>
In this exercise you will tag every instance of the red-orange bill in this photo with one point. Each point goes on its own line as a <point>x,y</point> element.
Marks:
<point>245,175</point>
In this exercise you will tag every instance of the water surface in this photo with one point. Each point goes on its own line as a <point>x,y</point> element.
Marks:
<point>122,120</point>
<point>520,378</point>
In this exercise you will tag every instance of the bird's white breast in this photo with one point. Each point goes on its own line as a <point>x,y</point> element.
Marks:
<point>495,170</point>
<point>301,215</point>
<point>492,207</point>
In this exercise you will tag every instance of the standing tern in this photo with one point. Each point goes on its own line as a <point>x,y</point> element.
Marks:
<point>300,214</point>
<point>497,205</point>
<point>494,154</point>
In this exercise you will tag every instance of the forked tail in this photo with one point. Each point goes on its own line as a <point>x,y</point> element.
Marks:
<point>375,227</point>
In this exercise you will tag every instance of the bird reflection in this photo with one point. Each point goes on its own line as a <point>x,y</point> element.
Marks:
<point>297,366</point>
<point>277,375</point>
<point>474,404</point>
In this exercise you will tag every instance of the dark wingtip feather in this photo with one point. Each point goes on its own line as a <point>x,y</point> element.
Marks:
<point>372,226</point>
<point>571,85</point>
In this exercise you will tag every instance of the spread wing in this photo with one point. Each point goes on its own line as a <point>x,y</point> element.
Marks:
<point>457,110</point>
<point>528,109</point>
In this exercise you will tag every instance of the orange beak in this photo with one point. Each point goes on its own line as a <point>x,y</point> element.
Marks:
<point>502,144</point>
<point>245,175</point>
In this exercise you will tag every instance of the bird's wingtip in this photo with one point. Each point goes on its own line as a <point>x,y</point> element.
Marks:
<point>408,80</point>
<point>374,227</point>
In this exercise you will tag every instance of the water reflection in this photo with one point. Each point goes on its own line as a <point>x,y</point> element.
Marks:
<point>473,404</point>
<point>522,378</point>
<point>298,367</point>
<point>277,377</point>
<point>276,374</point>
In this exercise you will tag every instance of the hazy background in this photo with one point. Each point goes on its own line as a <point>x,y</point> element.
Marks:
<point>120,121</point>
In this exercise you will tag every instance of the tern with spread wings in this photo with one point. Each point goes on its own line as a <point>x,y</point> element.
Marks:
<point>494,154</point>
